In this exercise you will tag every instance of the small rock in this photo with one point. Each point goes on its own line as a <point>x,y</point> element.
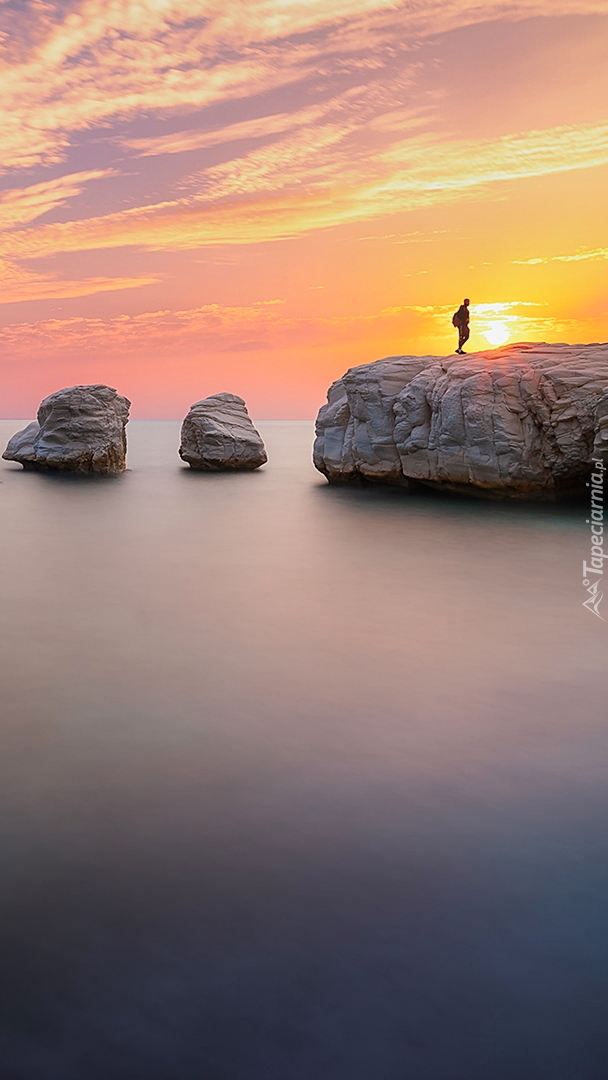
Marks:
<point>218,434</point>
<point>79,429</point>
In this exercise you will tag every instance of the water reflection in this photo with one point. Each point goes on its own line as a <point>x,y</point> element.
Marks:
<point>297,781</point>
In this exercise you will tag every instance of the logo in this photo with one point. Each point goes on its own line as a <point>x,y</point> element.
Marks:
<point>594,569</point>
<point>593,602</point>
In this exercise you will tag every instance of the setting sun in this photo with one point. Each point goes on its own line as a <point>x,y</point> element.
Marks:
<point>498,334</point>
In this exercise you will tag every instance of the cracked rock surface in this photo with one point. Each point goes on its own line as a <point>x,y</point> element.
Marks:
<point>218,434</point>
<point>518,422</point>
<point>79,429</point>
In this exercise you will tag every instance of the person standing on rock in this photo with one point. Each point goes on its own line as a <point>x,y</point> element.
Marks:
<point>460,319</point>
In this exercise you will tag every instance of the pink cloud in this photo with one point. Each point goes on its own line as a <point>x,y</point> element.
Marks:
<point>105,60</point>
<point>19,206</point>
<point>265,325</point>
<point>308,182</point>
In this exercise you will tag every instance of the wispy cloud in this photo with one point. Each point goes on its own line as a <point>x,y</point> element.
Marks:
<point>259,198</point>
<point>212,327</point>
<point>258,128</point>
<point>71,67</point>
<point>586,255</point>
<point>266,326</point>
<point>19,206</point>
<point>18,284</point>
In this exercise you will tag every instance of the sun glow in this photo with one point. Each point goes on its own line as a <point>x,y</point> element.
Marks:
<point>498,334</point>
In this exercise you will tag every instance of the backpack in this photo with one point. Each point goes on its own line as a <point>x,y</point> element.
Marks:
<point>456,318</point>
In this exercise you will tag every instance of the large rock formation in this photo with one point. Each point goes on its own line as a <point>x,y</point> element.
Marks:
<point>517,422</point>
<point>80,429</point>
<point>218,434</point>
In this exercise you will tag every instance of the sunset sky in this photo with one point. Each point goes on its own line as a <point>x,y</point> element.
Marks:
<point>254,195</point>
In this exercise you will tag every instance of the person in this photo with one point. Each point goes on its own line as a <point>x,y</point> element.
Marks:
<point>461,320</point>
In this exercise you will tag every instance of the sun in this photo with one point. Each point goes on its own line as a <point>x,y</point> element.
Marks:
<point>498,333</point>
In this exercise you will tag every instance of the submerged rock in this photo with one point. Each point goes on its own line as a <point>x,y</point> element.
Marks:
<point>79,429</point>
<point>518,422</point>
<point>218,434</point>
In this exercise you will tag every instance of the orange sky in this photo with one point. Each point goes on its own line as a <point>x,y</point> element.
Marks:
<point>253,195</point>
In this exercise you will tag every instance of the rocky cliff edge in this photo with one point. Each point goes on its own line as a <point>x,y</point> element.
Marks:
<point>518,422</point>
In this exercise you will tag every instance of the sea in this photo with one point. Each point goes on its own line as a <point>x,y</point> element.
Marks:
<point>299,782</point>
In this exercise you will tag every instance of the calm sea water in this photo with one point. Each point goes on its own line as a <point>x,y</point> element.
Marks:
<point>298,783</point>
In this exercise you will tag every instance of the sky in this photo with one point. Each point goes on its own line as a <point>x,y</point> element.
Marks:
<point>254,195</point>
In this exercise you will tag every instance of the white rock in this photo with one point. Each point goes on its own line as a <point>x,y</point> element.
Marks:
<point>218,434</point>
<point>79,429</point>
<point>516,422</point>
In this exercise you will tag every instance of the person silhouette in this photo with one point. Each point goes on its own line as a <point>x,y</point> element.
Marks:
<point>460,319</point>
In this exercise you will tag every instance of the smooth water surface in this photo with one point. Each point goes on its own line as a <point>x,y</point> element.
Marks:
<point>298,782</point>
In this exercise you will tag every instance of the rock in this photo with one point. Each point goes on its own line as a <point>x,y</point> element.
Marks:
<point>517,422</point>
<point>218,434</point>
<point>80,429</point>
